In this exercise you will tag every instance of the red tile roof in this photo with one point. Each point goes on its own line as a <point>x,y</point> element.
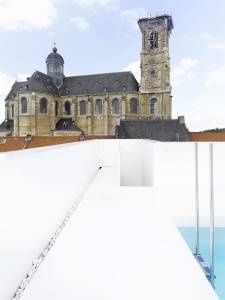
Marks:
<point>11,143</point>
<point>207,136</point>
<point>18,143</point>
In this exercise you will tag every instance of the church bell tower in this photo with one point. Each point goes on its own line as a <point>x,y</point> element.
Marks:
<point>155,63</point>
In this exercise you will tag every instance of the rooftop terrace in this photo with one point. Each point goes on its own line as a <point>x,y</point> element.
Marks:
<point>98,220</point>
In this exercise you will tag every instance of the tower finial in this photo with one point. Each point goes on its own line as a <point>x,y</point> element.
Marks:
<point>54,48</point>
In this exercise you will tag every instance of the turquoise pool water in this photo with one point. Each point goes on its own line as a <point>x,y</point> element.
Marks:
<point>189,235</point>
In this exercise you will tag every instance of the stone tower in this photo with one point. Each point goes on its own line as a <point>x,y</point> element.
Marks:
<point>55,67</point>
<point>155,64</point>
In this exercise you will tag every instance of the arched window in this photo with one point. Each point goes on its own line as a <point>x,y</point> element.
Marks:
<point>154,43</point>
<point>98,106</point>
<point>43,106</point>
<point>56,108</point>
<point>23,105</point>
<point>12,111</point>
<point>115,106</point>
<point>133,106</point>
<point>57,69</point>
<point>153,106</point>
<point>50,68</point>
<point>83,108</point>
<point>67,108</point>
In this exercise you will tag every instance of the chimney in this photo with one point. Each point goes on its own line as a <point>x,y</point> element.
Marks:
<point>181,120</point>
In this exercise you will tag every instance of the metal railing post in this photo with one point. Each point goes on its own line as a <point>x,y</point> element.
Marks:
<point>196,201</point>
<point>211,234</point>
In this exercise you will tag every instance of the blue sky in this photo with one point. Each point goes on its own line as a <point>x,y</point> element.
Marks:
<point>96,36</point>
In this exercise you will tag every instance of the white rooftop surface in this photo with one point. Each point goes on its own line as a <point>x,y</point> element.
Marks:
<point>119,244</point>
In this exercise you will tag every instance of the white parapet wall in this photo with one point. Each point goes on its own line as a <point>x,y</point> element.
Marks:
<point>169,168</point>
<point>136,162</point>
<point>174,180</point>
<point>38,187</point>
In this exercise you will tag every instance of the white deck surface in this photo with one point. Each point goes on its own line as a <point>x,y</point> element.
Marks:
<point>119,245</point>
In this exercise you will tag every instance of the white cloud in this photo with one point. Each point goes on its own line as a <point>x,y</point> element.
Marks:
<point>26,14</point>
<point>206,36</point>
<point>80,23</point>
<point>94,4</point>
<point>5,85</point>
<point>211,41</point>
<point>132,16</point>
<point>184,71</point>
<point>134,67</point>
<point>198,120</point>
<point>217,46</point>
<point>216,77</point>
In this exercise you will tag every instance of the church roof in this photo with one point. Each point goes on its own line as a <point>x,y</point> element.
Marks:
<point>14,89</point>
<point>38,82</point>
<point>78,85</point>
<point>100,84</point>
<point>159,130</point>
<point>6,126</point>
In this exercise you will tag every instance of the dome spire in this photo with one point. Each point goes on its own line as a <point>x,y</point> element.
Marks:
<point>55,66</point>
<point>54,49</point>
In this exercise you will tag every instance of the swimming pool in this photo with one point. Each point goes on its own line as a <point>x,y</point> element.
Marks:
<point>189,235</point>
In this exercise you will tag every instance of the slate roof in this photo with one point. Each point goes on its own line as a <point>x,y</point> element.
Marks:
<point>99,84</point>
<point>14,89</point>
<point>55,56</point>
<point>67,124</point>
<point>160,130</point>
<point>7,126</point>
<point>78,85</point>
<point>38,82</point>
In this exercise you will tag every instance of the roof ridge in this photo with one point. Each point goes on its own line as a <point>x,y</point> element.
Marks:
<point>86,75</point>
<point>24,81</point>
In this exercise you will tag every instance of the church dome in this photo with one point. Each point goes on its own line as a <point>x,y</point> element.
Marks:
<point>55,56</point>
<point>55,67</point>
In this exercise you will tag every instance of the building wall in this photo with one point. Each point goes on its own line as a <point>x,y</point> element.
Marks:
<point>33,121</point>
<point>43,124</point>
<point>155,63</point>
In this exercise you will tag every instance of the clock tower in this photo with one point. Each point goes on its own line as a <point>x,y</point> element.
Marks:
<point>155,65</point>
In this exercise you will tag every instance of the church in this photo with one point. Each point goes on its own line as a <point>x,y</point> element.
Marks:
<point>53,104</point>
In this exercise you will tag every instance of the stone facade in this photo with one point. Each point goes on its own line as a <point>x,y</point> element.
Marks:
<point>95,103</point>
<point>155,62</point>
